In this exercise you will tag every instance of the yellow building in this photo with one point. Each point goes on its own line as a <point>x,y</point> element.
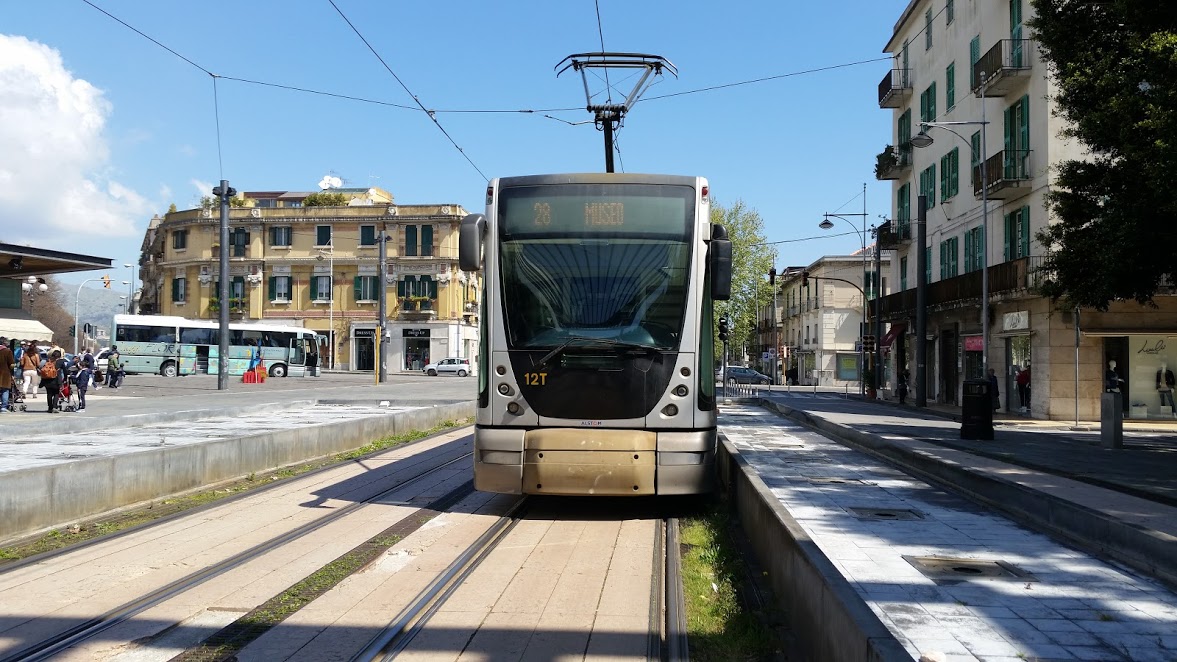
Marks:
<point>317,267</point>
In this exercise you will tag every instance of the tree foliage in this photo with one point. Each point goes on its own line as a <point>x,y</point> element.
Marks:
<point>1115,66</point>
<point>325,199</point>
<point>751,261</point>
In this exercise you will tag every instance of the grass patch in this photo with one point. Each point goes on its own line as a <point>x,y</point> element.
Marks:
<point>103,526</point>
<point>719,626</point>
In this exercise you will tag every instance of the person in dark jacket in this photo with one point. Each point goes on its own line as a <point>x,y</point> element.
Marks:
<point>52,385</point>
<point>993,389</point>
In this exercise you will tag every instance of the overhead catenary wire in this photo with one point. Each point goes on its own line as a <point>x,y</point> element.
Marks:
<point>601,34</point>
<point>432,115</point>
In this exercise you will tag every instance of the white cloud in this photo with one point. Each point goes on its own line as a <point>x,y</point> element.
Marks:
<point>55,150</point>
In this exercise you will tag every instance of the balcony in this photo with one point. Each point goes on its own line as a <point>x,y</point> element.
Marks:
<point>894,232</point>
<point>427,252</point>
<point>1008,174</point>
<point>895,88</point>
<point>417,309</point>
<point>1006,67</point>
<point>1013,278</point>
<point>892,163</point>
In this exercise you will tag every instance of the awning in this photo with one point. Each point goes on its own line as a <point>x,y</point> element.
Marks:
<point>1106,333</point>
<point>24,329</point>
<point>889,339</point>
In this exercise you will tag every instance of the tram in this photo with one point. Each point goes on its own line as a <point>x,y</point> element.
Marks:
<point>596,360</point>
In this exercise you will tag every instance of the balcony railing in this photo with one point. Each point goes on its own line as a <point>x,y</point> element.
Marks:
<point>1008,174</point>
<point>1006,66</point>
<point>1024,274</point>
<point>893,163</point>
<point>894,232</point>
<point>894,88</point>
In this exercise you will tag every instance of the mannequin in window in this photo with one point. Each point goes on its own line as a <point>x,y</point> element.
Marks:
<point>1165,383</point>
<point>1111,380</point>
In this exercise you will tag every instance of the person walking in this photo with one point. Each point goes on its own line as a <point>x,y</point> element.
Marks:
<point>7,374</point>
<point>52,371</point>
<point>1023,381</point>
<point>30,362</point>
<point>83,384</point>
<point>901,389</point>
<point>993,389</point>
<point>113,367</point>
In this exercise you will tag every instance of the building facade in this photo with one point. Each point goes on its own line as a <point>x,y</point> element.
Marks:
<point>318,267</point>
<point>962,62</point>
<point>821,324</point>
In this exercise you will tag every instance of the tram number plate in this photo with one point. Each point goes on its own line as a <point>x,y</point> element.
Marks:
<point>535,378</point>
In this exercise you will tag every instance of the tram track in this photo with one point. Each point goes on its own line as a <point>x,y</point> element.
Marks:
<point>88,629</point>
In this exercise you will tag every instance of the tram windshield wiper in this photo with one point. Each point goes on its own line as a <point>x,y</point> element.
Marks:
<point>559,349</point>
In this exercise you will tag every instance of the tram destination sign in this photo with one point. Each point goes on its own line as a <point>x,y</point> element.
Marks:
<point>625,209</point>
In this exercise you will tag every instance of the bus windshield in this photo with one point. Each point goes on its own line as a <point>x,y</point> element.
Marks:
<point>604,261</point>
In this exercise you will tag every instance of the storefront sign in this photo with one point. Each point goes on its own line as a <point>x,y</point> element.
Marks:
<point>1152,347</point>
<point>1016,321</point>
<point>974,344</point>
<point>364,333</point>
<point>415,333</point>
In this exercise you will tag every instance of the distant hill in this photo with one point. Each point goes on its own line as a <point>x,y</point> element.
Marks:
<point>96,305</point>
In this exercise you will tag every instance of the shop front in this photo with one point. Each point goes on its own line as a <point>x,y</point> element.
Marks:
<point>363,346</point>
<point>416,348</point>
<point>1144,367</point>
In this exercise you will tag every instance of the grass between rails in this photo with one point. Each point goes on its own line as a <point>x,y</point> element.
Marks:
<point>159,509</point>
<point>719,626</point>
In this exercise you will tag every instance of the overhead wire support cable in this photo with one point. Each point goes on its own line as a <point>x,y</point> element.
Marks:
<point>432,114</point>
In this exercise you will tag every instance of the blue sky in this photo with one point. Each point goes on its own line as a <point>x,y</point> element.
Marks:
<point>119,128</point>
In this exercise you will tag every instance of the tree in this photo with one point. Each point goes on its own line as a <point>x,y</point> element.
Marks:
<point>1115,66</point>
<point>237,201</point>
<point>325,199</point>
<point>172,208</point>
<point>751,260</point>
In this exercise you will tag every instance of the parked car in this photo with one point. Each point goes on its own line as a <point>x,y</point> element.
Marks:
<point>741,375</point>
<point>452,366</point>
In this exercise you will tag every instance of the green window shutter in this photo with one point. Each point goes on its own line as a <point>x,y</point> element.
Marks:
<point>931,186</point>
<point>928,264</point>
<point>175,289</point>
<point>903,273</point>
<point>410,240</point>
<point>968,251</point>
<point>432,288</point>
<point>402,289</point>
<point>1025,231</point>
<point>928,30</point>
<point>1009,219</point>
<point>955,256</point>
<point>950,11</point>
<point>357,288</point>
<point>1024,125</point>
<point>944,193</point>
<point>943,260</point>
<point>975,142</point>
<point>273,288</point>
<point>975,50</point>
<point>932,102</point>
<point>1009,132</point>
<point>427,240</point>
<point>950,85</point>
<point>954,180</point>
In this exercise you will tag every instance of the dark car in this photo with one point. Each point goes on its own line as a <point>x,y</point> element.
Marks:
<point>741,375</point>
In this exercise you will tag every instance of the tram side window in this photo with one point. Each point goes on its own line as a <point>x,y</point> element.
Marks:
<point>145,333</point>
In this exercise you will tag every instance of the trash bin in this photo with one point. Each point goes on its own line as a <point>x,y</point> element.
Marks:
<point>976,420</point>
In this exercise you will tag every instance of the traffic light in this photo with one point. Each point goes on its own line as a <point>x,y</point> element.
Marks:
<point>723,329</point>
<point>772,276</point>
<point>106,282</point>
<point>73,331</point>
<point>805,278</point>
<point>87,328</point>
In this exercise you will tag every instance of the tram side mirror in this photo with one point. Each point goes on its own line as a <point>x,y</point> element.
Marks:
<point>470,242</point>
<point>719,261</point>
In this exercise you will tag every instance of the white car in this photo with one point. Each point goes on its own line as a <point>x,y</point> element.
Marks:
<point>452,366</point>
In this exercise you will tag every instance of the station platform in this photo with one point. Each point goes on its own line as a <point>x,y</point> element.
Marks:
<point>896,567</point>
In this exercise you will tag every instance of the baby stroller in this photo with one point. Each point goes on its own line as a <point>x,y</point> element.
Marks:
<point>68,398</point>
<point>16,397</point>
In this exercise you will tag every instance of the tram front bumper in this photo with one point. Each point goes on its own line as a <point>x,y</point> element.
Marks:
<point>572,461</point>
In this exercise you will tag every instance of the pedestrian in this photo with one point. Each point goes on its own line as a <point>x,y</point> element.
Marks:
<point>52,371</point>
<point>901,389</point>
<point>1023,380</point>
<point>83,384</point>
<point>993,389</point>
<point>7,373</point>
<point>113,367</point>
<point>30,362</point>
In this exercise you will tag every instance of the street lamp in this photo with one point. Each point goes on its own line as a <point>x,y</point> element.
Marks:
<point>826,224</point>
<point>130,287</point>
<point>33,286</point>
<point>331,299</point>
<point>77,300</point>
<point>922,139</point>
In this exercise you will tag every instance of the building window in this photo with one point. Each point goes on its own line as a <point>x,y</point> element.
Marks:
<point>928,264</point>
<point>903,209</point>
<point>950,11</point>
<point>322,235</point>
<point>950,86</point>
<point>903,273</point>
<point>903,132</point>
<point>423,246</point>
<point>928,184</point>
<point>417,287</point>
<point>949,251</point>
<point>179,240</point>
<point>367,235</point>
<point>280,289</point>
<point>237,290</point>
<point>179,290</point>
<point>321,288</point>
<point>1017,234</point>
<point>928,30</point>
<point>950,174</point>
<point>871,285</point>
<point>367,288</point>
<point>280,236</point>
<point>239,242</point>
<point>928,104</point>
<point>973,258</point>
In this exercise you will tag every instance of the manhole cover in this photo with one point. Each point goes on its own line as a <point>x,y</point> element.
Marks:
<point>938,568</point>
<point>832,480</point>
<point>884,514</point>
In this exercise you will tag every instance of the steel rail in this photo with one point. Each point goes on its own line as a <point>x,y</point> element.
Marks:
<point>61,641</point>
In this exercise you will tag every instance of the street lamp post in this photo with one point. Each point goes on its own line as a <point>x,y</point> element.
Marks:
<point>922,139</point>
<point>130,288</point>
<point>826,225</point>
<point>33,286</point>
<point>331,302</point>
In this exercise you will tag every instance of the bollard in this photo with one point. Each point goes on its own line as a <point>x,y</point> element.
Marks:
<point>1111,420</point>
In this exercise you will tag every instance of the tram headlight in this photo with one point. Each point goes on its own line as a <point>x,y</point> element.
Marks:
<point>513,408</point>
<point>681,390</point>
<point>505,389</point>
<point>670,410</point>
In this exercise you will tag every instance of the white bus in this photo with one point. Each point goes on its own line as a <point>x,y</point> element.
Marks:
<point>172,346</point>
<point>596,365</point>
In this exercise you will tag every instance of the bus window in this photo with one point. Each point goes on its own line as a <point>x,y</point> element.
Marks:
<point>277,339</point>
<point>199,336</point>
<point>145,333</point>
